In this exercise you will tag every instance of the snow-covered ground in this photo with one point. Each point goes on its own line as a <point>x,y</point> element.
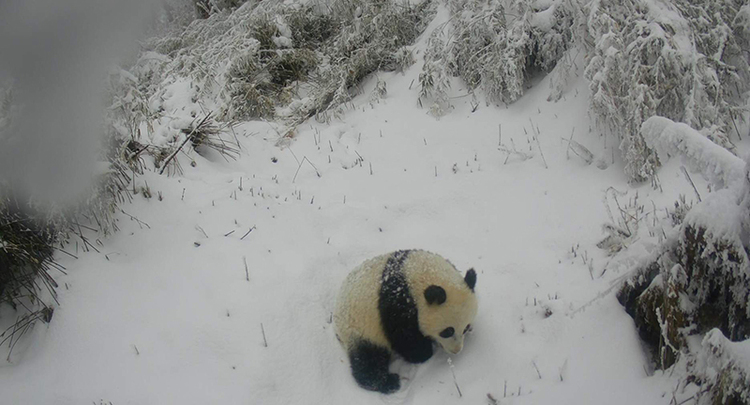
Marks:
<point>184,306</point>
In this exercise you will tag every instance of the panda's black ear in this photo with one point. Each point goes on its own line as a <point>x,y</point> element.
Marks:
<point>471,278</point>
<point>435,295</point>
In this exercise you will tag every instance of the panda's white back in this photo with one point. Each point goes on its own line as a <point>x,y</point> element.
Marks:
<point>356,314</point>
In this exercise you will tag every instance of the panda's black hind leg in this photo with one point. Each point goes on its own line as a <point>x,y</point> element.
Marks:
<point>370,368</point>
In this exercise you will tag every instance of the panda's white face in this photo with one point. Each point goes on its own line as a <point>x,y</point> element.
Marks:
<point>448,320</point>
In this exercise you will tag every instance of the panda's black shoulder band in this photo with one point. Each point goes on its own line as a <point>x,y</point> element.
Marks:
<point>398,312</point>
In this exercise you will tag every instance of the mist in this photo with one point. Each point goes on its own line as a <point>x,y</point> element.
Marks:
<point>55,56</point>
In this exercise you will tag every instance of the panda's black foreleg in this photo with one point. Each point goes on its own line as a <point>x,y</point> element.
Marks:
<point>414,349</point>
<point>370,368</point>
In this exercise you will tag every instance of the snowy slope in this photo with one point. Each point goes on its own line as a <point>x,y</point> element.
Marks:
<point>168,313</point>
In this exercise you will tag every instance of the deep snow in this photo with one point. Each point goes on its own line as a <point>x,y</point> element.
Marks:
<point>166,313</point>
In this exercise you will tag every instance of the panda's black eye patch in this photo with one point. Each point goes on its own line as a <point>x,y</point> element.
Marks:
<point>447,332</point>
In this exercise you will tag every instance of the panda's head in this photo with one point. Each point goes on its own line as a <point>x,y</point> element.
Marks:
<point>449,311</point>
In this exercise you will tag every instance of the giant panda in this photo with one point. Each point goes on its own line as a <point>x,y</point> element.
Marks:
<point>402,302</point>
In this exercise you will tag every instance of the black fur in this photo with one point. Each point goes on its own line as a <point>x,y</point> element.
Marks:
<point>435,294</point>
<point>398,313</point>
<point>471,278</point>
<point>370,368</point>
<point>447,332</point>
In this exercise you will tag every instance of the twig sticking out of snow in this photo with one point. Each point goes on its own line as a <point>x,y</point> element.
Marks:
<point>513,151</point>
<point>305,159</point>
<point>539,145</point>
<point>247,233</point>
<point>535,131</point>
<point>690,180</point>
<point>198,227</point>
<point>537,369</point>
<point>263,331</point>
<point>563,369</point>
<point>579,150</point>
<point>135,219</point>
<point>450,363</point>
<point>614,285</point>
<point>22,325</point>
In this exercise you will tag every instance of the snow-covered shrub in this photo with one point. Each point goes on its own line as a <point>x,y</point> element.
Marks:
<point>285,61</point>
<point>685,60</point>
<point>722,369</point>
<point>681,60</point>
<point>29,237</point>
<point>244,92</point>
<point>185,11</point>
<point>26,242</point>
<point>311,28</point>
<point>255,85</point>
<point>623,226</point>
<point>372,38</point>
<point>701,279</point>
<point>496,45</point>
<point>26,248</point>
<point>32,229</point>
<point>433,80</point>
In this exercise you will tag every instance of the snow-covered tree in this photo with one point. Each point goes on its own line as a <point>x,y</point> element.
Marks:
<point>682,60</point>
<point>700,281</point>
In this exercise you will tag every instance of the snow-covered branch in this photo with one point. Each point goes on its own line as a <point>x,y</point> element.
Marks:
<point>669,138</point>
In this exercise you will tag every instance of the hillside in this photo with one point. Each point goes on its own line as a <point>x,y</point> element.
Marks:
<point>220,284</point>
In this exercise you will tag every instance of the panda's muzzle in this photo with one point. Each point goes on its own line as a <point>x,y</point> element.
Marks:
<point>453,345</point>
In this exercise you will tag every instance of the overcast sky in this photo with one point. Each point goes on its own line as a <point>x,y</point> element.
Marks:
<point>56,53</point>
